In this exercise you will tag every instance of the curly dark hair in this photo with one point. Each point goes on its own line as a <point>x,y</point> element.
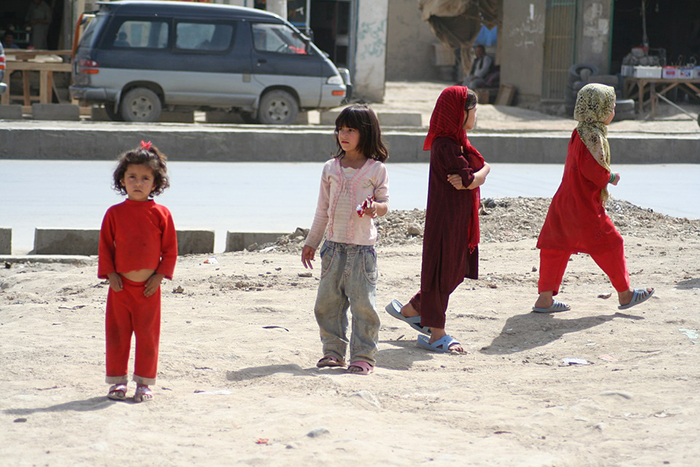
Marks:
<point>147,155</point>
<point>363,119</point>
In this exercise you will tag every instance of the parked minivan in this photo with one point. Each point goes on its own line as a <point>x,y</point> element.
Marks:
<point>137,58</point>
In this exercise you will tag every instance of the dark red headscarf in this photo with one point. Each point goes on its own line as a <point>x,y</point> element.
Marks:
<point>447,120</point>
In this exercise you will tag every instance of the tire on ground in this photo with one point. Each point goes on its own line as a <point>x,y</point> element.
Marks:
<point>113,114</point>
<point>140,105</point>
<point>278,108</point>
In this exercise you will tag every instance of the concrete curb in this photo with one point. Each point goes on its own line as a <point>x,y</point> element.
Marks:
<point>239,241</point>
<point>5,241</point>
<point>11,112</point>
<point>56,112</point>
<point>251,143</point>
<point>85,242</point>
<point>62,259</point>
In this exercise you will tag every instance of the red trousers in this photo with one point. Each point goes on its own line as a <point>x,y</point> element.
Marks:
<point>130,312</point>
<point>553,265</point>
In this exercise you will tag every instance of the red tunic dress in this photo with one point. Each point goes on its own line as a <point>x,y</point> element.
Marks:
<point>576,221</point>
<point>447,258</point>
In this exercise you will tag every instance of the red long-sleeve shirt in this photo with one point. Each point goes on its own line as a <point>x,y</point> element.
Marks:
<point>576,220</point>
<point>137,235</point>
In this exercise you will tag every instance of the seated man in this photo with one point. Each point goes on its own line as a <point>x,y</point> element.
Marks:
<point>481,67</point>
<point>8,41</point>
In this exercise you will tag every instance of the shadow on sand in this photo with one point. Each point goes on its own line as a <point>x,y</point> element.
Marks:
<point>86,405</point>
<point>532,330</point>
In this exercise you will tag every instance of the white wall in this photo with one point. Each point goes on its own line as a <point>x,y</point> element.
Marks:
<point>522,47</point>
<point>594,39</point>
<point>370,56</point>
<point>410,44</point>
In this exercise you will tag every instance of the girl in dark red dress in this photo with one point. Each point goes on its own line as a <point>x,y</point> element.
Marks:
<point>576,221</point>
<point>451,239</point>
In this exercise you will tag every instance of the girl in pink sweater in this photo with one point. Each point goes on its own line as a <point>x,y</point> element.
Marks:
<point>354,191</point>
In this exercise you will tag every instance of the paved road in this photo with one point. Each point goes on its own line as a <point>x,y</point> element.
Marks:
<point>278,197</point>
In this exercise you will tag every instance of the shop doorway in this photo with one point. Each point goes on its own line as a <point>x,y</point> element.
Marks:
<point>331,23</point>
<point>12,20</point>
<point>671,26</point>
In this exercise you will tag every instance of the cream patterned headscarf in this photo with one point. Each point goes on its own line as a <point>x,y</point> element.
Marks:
<point>594,104</point>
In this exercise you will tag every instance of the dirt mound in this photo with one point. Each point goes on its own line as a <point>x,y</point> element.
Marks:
<point>509,220</point>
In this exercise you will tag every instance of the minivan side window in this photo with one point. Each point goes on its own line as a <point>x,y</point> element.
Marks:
<point>203,36</point>
<point>278,38</point>
<point>142,34</point>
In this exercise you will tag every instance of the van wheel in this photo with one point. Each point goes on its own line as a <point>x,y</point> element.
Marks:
<point>278,108</point>
<point>111,113</point>
<point>140,105</point>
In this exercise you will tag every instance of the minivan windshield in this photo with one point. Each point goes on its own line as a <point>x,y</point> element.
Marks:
<point>278,38</point>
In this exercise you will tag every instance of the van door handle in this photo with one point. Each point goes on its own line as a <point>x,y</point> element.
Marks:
<point>261,61</point>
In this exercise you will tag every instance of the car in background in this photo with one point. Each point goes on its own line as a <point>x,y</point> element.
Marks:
<point>139,58</point>
<point>3,86</point>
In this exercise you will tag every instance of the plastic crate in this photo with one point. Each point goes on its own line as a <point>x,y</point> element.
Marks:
<point>670,72</point>
<point>685,73</point>
<point>647,72</point>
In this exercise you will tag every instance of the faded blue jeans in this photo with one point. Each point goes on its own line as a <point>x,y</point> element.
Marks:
<point>348,280</point>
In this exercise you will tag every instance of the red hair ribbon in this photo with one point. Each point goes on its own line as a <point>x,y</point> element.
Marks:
<point>146,146</point>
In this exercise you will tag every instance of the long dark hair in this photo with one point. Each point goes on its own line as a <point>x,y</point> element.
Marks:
<point>363,119</point>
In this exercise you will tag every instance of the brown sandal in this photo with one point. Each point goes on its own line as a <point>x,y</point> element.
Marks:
<point>330,362</point>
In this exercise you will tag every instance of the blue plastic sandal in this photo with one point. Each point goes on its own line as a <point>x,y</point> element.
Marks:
<point>556,307</point>
<point>394,309</point>
<point>639,296</point>
<point>441,345</point>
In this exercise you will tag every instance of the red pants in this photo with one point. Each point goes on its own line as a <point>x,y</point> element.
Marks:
<point>130,312</point>
<point>553,264</point>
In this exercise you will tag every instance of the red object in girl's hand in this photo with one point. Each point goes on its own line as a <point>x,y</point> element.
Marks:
<point>366,204</point>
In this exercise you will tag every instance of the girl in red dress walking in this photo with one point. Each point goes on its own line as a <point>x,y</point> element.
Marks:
<point>451,238</point>
<point>576,221</point>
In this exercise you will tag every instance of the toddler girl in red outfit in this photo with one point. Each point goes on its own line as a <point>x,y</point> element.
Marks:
<point>138,248</point>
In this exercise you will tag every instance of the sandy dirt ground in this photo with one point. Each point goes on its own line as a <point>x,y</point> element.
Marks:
<point>238,384</point>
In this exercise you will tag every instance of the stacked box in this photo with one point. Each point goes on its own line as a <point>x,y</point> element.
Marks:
<point>647,72</point>
<point>670,72</point>
<point>685,73</point>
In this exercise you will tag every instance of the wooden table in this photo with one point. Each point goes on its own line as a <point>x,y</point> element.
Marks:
<point>654,86</point>
<point>45,69</point>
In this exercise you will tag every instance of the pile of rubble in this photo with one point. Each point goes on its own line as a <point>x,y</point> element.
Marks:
<point>511,220</point>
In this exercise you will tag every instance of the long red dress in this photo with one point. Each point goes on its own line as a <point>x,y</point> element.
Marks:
<point>451,238</point>
<point>576,221</point>
<point>447,255</point>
